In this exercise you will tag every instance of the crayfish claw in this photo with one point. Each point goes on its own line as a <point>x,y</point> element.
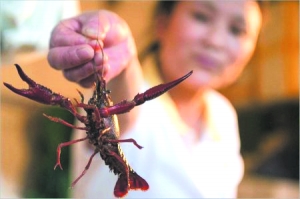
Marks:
<point>13,89</point>
<point>158,90</point>
<point>40,93</point>
<point>35,91</point>
<point>24,92</point>
<point>24,77</point>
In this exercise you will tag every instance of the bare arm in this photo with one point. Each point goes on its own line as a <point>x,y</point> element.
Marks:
<point>126,86</point>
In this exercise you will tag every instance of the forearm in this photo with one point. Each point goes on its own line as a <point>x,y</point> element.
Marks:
<point>126,86</point>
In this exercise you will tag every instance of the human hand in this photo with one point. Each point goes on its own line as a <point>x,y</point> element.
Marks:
<point>73,42</point>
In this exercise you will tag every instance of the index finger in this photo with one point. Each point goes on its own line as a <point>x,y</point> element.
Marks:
<point>67,33</point>
<point>69,56</point>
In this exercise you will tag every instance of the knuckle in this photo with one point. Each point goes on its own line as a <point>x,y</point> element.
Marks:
<point>77,74</point>
<point>55,38</point>
<point>51,60</point>
<point>83,53</point>
<point>87,82</point>
<point>68,75</point>
<point>68,58</point>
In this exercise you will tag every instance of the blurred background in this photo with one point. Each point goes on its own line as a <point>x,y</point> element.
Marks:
<point>266,98</point>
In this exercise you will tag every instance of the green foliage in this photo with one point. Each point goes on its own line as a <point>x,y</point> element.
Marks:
<point>41,181</point>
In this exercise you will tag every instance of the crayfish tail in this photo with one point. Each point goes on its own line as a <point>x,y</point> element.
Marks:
<point>122,186</point>
<point>137,182</point>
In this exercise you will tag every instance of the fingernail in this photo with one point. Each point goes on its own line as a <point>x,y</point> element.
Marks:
<point>94,33</point>
<point>85,53</point>
<point>91,32</point>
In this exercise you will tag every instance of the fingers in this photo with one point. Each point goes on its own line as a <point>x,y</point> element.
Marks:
<point>70,56</point>
<point>81,72</point>
<point>68,47</point>
<point>88,77</point>
<point>74,51</point>
<point>68,39</point>
<point>67,33</point>
<point>87,82</point>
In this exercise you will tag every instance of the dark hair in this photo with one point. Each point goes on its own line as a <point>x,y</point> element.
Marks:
<point>162,8</point>
<point>165,8</point>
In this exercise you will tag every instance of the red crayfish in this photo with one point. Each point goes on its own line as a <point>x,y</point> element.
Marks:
<point>101,124</point>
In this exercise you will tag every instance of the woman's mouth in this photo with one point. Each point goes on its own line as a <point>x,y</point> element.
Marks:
<point>207,62</point>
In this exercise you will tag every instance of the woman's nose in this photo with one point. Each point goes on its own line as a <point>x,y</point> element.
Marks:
<point>216,37</point>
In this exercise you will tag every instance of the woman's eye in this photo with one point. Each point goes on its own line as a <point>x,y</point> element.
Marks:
<point>237,31</point>
<point>202,17</point>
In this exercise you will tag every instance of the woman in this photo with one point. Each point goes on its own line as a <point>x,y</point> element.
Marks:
<point>190,136</point>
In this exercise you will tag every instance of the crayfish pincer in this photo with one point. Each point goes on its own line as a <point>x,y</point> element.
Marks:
<point>101,125</point>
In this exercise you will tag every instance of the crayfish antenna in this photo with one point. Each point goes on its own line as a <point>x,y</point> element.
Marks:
<point>99,45</point>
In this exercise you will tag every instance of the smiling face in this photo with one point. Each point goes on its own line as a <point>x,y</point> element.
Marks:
<point>215,39</point>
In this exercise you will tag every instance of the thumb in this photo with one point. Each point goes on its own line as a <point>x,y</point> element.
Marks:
<point>107,27</point>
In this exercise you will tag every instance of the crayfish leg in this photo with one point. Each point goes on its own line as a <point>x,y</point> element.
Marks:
<point>85,169</point>
<point>58,150</point>
<point>81,95</point>
<point>126,140</point>
<point>92,107</point>
<point>56,119</point>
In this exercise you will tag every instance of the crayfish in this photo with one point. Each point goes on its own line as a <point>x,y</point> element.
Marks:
<point>101,124</point>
